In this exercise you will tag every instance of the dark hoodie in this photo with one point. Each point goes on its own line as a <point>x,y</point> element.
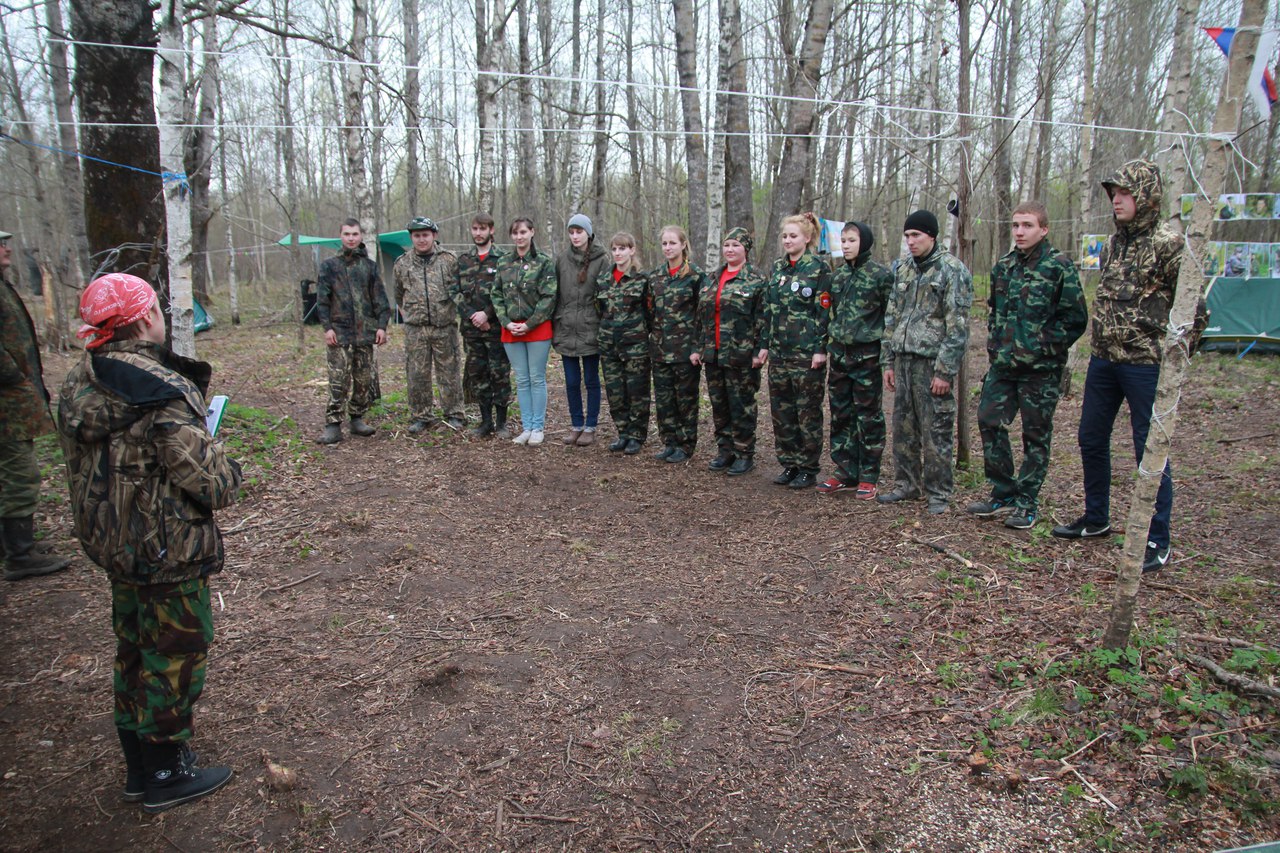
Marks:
<point>1139,267</point>
<point>859,292</point>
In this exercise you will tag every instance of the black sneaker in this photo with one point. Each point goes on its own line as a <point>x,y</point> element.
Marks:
<point>633,446</point>
<point>1082,528</point>
<point>991,507</point>
<point>1155,558</point>
<point>803,480</point>
<point>171,781</point>
<point>667,450</point>
<point>787,475</point>
<point>1021,518</point>
<point>677,454</point>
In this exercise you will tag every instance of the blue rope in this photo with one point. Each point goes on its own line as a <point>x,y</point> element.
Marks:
<point>1251,345</point>
<point>179,178</point>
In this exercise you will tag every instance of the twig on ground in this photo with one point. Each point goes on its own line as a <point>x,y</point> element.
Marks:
<point>946,552</point>
<point>702,829</point>
<point>1229,641</point>
<point>288,585</point>
<point>350,755</point>
<point>1090,786</point>
<point>520,814</point>
<point>1066,758</point>
<point>1262,725</point>
<point>836,667</point>
<point>1248,685</point>
<point>1245,438</point>
<point>408,812</point>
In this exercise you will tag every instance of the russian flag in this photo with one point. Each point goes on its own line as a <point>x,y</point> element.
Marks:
<point>1262,85</point>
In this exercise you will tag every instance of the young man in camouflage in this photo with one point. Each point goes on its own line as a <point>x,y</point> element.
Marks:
<point>352,306</point>
<point>1139,273</point>
<point>925,333</point>
<point>487,373</point>
<point>1037,311</point>
<point>145,477</point>
<point>24,414</point>
<point>422,281</point>
<point>859,293</point>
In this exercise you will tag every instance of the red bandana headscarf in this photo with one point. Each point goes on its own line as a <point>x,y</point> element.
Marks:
<point>110,302</point>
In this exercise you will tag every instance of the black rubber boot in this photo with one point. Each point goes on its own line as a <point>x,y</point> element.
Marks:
<point>500,422</point>
<point>359,427</point>
<point>332,434</point>
<point>135,780</point>
<point>21,558</point>
<point>171,777</point>
<point>485,427</point>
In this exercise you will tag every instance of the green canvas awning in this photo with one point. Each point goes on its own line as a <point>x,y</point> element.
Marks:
<point>392,244</point>
<point>1243,309</point>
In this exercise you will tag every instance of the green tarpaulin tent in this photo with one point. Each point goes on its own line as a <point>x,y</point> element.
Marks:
<point>392,244</point>
<point>1243,310</point>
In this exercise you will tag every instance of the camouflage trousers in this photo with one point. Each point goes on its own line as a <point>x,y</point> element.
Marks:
<point>1034,395</point>
<point>19,479</point>
<point>733,393</point>
<point>432,350</point>
<point>352,381</point>
<point>854,386</point>
<point>162,643</point>
<point>675,397</point>
<point>487,374</point>
<point>795,403</point>
<point>626,386</point>
<point>923,430</point>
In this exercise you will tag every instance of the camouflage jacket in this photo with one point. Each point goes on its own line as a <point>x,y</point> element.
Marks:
<point>350,298</point>
<point>625,317</point>
<point>471,291</point>
<point>797,300</point>
<point>1139,272</point>
<point>673,302</point>
<point>577,319</point>
<point>524,290</point>
<point>24,402</point>
<point>859,293</point>
<point>144,473</point>
<point>422,287</point>
<point>739,310</point>
<point>1037,310</point>
<point>928,314</point>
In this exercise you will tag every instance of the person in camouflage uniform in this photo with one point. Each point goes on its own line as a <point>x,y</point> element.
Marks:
<point>674,289</point>
<point>1139,273</point>
<point>353,309</point>
<point>731,320</point>
<point>1037,312</point>
<point>422,280</point>
<point>926,328</point>
<point>859,292</point>
<point>524,299</point>
<point>145,477</point>
<point>622,294</point>
<point>797,300</point>
<point>487,373</point>
<point>24,414</point>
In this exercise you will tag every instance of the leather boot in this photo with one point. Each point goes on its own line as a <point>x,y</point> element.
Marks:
<point>21,558</point>
<point>500,428</point>
<point>135,780</point>
<point>359,427</point>
<point>171,780</point>
<point>332,434</point>
<point>485,427</point>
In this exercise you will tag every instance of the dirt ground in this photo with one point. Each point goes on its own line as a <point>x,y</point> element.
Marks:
<point>470,645</point>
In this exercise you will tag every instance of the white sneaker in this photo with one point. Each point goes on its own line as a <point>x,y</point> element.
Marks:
<point>522,438</point>
<point>536,437</point>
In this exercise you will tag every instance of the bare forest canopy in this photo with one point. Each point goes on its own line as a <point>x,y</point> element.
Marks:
<point>298,114</point>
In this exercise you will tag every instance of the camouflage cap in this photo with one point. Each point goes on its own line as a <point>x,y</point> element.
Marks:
<point>742,236</point>
<point>422,223</point>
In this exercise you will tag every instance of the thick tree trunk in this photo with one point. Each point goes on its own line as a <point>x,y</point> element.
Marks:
<point>198,156</point>
<point>285,100</point>
<point>412,102</point>
<point>1176,357</point>
<point>353,95</point>
<point>233,283</point>
<point>170,107</point>
<point>488,49</point>
<point>739,201</point>
<point>124,209</point>
<point>1048,80</point>
<point>686,32</point>
<point>1002,170</point>
<point>1172,158</point>
<point>964,217</point>
<point>78,270</point>
<point>601,139</point>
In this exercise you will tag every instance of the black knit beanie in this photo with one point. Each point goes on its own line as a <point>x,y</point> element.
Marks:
<point>922,221</point>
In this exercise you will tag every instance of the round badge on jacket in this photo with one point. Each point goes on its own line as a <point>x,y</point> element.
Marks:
<point>807,292</point>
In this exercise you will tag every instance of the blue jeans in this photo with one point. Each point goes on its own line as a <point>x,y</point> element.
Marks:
<point>1106,386</point>
<point>529,363</point>
<point>577,369</point>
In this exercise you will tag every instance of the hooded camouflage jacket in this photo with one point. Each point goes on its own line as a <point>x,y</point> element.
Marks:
<point>350,298</point>
<point>471,291</point>
<point>422,287</point>
<point>24,402</point>
<point>1139,267</point>
<point>797,303</point>
<point>674,308</point>
<point>1037,310</point>
<point>144,473</point>
<point>524,290</point>
<point>859,292</point>
<point>928,313</point>
<point>624,314</point>
<point>740,306</point>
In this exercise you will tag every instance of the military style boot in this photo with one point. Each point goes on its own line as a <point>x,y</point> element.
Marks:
<point>359,427</point>
<point>171,779</point>
<point>332,434</point>
<point>485,427</point>
<point>500,428</point>
<point>135,782</point>
<point>21,558</point>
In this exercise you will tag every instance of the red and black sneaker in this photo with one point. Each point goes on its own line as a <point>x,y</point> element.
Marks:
<point>834,484</point>
<point>866,491</point>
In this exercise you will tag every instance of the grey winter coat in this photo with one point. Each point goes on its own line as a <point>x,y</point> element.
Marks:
<point>577,318</point>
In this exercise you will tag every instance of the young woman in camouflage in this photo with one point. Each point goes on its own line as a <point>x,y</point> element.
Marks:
<point>795,344</point>
<point>577,325</point>
<point>731,320</point>
<point>524,298</point>
<point>622,294</point>
<point>145,477</point>
<point>675,287</point>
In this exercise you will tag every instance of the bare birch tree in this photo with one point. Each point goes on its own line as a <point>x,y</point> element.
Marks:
<point>170,109</point>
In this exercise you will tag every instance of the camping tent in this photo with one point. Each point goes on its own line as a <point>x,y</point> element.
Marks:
<point>391,245</point>
<point>1243,310</point>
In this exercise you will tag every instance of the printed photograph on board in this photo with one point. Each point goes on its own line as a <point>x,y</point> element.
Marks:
<point>1260,260</point>
<point>1188,202</point>
<point>1229,207</point>
<point>1091,250</point>
<point>1237,262</point>
<point>1259,205</point>
<point>1215,255</point>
